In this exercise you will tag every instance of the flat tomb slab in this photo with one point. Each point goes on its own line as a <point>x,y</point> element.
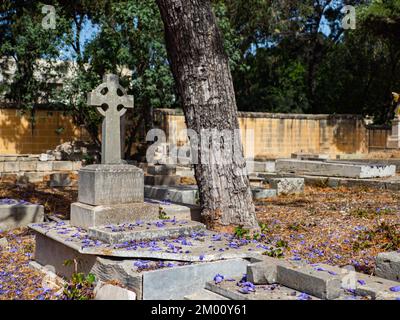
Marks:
<point>334,169</point>
<point>139,231</point>
<point>198,247</point>
<point>16,214</point>
<point>190,194</point>
<point>87,216</point>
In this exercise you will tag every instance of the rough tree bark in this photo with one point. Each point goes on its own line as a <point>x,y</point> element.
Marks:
<point>203,78</point>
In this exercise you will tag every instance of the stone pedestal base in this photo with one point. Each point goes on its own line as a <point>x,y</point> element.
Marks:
<point>87,216</point>
<point>110,184</point>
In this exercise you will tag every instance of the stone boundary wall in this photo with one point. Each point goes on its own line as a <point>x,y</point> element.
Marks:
<point>33,169</point>
<point>276,135</point>
<point>18,135</point>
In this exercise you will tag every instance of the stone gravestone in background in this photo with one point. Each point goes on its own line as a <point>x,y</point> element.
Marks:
<point>110,192</point>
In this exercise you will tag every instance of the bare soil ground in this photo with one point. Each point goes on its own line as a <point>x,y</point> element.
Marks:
<point>335,226</point>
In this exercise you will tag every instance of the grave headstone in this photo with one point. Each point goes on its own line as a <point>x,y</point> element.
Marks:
<point>112,102</point>
<point>104,188</point>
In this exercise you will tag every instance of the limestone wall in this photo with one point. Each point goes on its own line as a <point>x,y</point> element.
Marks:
<point>17,136</point>
<point>280,135</point>
<point>277,135</point>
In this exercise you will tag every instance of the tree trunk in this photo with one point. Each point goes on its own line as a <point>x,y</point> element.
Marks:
<point>203,78</point>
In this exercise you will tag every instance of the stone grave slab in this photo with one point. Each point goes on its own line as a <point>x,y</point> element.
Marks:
<point>198,247</point>
<point>87,216</point>
<point>189,194</point>
<point>334,169</point>
<point>139,231</point>
<point>16,214</point>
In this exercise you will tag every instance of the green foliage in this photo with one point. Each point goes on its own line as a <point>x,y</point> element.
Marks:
<point>240,233</point>
<point>162,215</point>
<point>80,287</point>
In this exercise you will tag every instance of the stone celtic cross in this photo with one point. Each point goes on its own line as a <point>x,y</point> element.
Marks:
<point>112,102</point>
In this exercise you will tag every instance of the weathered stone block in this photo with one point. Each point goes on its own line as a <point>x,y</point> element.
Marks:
<point>1,167</point>
<point>179,211</point>
<point>19,215</point>
<point>164,170</point>
<point>376,288</point>
<point>44,166</point>
<point>288,185</point>
<point>59,180</point>
<point>106,269</point>
<point>62,166</point>
<point>11,166</point>
<point>87,216</point>
<point>104,291</point>
<point>110,184</point>
<point>35,177</point>
<point>260,166</point>
<point>177,194</point>
<point>306,279</point>
<point>28,165</point>
<point>388,266</point>
<point>263,193</point>
<point>162,180</point>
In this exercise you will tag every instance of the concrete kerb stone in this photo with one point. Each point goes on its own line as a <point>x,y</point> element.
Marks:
<point>388,266</point>
<point>308,280</point>
<point>20,215</point>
